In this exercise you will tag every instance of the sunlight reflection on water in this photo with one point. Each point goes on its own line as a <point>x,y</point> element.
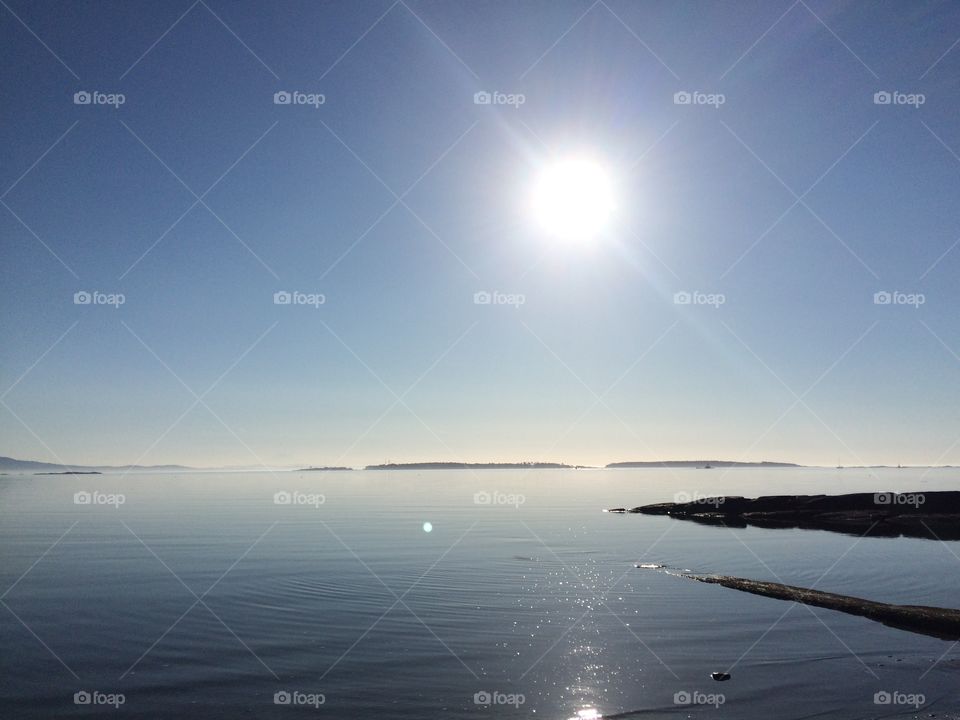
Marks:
<point>587,713</point>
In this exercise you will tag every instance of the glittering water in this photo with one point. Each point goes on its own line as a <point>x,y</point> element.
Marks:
<point>450,594</point>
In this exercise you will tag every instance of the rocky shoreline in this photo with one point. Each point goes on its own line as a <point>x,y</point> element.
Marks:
<point>930,515</point>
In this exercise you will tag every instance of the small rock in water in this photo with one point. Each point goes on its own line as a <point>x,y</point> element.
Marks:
<point>720,676</point>
<point>615,510</point>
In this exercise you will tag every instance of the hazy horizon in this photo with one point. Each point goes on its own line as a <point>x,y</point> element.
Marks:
<point>470,461</point>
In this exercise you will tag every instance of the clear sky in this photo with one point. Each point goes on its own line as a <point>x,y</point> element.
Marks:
<point>784,190</point>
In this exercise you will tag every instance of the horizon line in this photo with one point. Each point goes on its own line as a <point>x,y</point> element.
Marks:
<point>463,464</point>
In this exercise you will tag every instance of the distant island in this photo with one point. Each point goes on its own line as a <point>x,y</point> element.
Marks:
<point>322,469</point>
<point>473,466</point>
<point>698,463</point>
<point>71,472</point>
<point>9,464</point>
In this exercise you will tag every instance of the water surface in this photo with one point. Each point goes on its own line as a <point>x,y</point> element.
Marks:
<point>406,595</point>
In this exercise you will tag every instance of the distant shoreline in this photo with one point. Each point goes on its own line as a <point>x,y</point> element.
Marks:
<point>475,466</point>
<point>71,472</point>
<point>13,465</point>
<point>699,464</point>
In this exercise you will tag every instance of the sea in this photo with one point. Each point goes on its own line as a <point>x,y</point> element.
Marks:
<point>454,594</point>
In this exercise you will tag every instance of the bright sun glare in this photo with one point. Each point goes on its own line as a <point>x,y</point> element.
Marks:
<point>573,199</point>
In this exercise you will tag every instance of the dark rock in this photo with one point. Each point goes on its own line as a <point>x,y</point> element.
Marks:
<point>943,623</point>
<point>931,515</point>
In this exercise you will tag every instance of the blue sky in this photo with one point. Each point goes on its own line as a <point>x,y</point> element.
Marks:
<point>795,201</point>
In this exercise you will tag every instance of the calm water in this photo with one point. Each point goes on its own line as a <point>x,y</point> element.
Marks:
<point>400,597</point>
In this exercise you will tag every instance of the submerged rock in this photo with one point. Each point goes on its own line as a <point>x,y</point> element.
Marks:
<point>943,623</point>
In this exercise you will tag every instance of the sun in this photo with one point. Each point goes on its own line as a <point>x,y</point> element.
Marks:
<point>573,199</point>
